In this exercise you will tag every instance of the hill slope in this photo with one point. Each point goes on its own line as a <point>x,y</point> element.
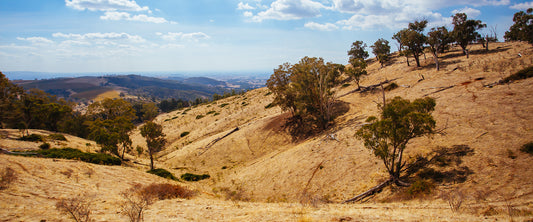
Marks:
<point>242,144</point>
<point>261,159</point>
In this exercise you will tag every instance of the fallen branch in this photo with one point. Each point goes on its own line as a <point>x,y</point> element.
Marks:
<point>440,90</point>
<point>370,192</point>
<point>218,139</point>
<point>363,89</point>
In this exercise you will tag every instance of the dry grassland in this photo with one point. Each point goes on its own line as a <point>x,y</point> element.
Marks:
<point>286,180</point>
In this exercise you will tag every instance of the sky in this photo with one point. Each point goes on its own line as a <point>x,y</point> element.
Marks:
<point>82,36</point>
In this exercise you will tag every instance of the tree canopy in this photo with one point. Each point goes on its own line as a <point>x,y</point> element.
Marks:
<point>415,39</point>
<point>438,40</point>
<point>305,89</point>
<point>401,120</point>
<point>357,51</point>
<point>381,50</point>
<point>465,30</point>
<point>522,29</point>
<point>155,139</point>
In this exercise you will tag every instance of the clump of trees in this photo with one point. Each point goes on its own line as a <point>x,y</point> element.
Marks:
<point>305,90</point>
<point>522,29</point>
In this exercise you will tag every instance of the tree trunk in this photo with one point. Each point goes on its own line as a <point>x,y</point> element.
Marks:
<point>407,59</point>
<point>417,61</point>
<point>436,58</point>
<point>151,161</point>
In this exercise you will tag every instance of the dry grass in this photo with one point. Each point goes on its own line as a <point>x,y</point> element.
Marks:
<point>266,165</point>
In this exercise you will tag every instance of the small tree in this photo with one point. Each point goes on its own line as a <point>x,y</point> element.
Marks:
<point>401,38</point>
<point>438,39</point>
<point>465,30</point>
<point>357,70</point>
<point>415,39</point>
<point>522,29</point>
<point>136,200</point>
<point>381,49</point>
<point>155,140</point>
<point>401,121</point>
<point>79,208</point>
<point>358,50</point>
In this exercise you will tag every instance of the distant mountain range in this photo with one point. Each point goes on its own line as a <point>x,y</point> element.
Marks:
<point>88,87</point>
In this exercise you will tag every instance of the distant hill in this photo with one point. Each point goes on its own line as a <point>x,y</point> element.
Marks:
<point>89,87</point>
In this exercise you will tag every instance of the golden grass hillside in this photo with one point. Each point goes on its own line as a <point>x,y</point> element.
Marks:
<point>243,145</point>
<point>261,159</point>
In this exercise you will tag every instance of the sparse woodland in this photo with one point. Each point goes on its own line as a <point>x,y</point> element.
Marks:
<point>400,136</point>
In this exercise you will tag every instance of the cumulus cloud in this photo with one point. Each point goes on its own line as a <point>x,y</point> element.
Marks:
<point>116,16</point>
<point>290,9</point>
<point>243,6</point>
<point>248,14</point>
<point>36,40</point>
<point>470,12</point>
<point>105,5</point>
<point>321,27</point>
<point>194,36</point>
<point>522,6</point>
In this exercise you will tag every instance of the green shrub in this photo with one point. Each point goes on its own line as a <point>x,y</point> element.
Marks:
<point>346,85</point>
<point>162,173</point>
<point>70,153</point>
<point>268,93</point>
<point>522,74</point>
<point>199,116</point>
<point>57,136</point>
<point>391,86</point>
<point>194,177</point>
<point>270,105</point>
<point>223,105</point>
<point>184,134</point>
<point>420,187</point>
<point>44,146</point>
<point>527,148</point>
<point>32,138</point>
<point>210,112</point>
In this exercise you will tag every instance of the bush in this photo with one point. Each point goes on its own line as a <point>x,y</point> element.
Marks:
<point>32,138</point>
<point>420,187</point>
<point>199,116</point>
<point>194,177</point>
<point>391,86</point>
<point>79,208</point>
<point>69,153</point>
<point>210,112</point>
<point>57,136</point>
<point>522,74</point>
<point>44,146</point>
<point>7,177</point>
<point>223,105</point>
<point>184,134</point>
<point>527,148</point>
<point>162,173</point>
<point>165,191</point>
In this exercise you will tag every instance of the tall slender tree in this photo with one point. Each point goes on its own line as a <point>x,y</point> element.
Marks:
<point>401,38</point>
<point>155,139</point>
<point>438,39</point>
<point>415,39</point>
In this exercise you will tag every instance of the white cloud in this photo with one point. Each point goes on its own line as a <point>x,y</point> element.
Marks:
<point>321,27</point>
<point>116,16</point>
<point>470,12</point>
<point>102,38</point>
<point>522,6</point>
<point>242,6</point>
<point>248,14</point>
<point>36,40</point>
<point>290,9</point>
<point>105,5</point>
<point>173,36</point>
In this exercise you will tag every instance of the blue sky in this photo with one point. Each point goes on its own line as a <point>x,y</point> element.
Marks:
<point>77,36</point>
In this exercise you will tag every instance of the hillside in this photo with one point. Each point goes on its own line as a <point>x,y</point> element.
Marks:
<point>243,145</point>
<point>89,88</point>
